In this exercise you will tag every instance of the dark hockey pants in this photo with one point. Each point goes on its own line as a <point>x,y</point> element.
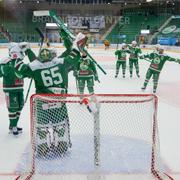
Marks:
<point>123,64</point>
<point>155,75</point>
<point>135,64</point>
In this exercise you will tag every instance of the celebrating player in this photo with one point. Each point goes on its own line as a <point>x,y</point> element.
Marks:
<point>158,60</point>
<point>50,74</point>
<point>134,52</point>
<point>13,86</point>
<point>121,60</point>
<point>86,73</point>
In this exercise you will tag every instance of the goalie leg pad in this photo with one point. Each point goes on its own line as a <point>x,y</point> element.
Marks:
<point>42,149</point>
<point>43,141</point>
<point>61,137</point>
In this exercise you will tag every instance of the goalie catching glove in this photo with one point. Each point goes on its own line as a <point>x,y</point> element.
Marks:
<point>24,46</point>
<point>80,42</point>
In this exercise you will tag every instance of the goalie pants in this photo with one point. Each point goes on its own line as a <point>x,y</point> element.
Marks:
<point>133,62</point>
<point>82,82</point>
<point>123,64</point>
<point>15,103</point>
<point>155,74</point>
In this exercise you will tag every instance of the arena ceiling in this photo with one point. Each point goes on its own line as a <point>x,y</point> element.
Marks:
<point>98,1</point>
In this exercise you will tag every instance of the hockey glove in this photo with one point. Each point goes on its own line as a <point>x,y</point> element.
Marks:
<point>96,78</point>
<point>75,74</point>
<point>80,42</point>
<point>24,46</point>
<point>178,61</point>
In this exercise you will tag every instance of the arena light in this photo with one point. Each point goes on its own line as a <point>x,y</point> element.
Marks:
<point>145,31</point>
<point>51,25</point>
<point>148,0</point>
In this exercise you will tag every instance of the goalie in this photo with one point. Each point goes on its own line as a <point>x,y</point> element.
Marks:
<point>50,74</point>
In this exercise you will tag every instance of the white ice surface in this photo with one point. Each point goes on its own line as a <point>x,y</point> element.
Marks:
<point>11,148</point>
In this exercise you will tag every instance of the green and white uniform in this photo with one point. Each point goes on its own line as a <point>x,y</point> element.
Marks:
<point>121,61</point>
<point>13,89</point>
<point>50,77</point>
<point>133,59</point>
<point>86,73</point>
<point>157,63</point>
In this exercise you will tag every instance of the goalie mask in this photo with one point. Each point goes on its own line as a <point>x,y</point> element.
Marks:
<point>45,55</point>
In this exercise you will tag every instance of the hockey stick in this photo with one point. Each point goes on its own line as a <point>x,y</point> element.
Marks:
<point>57,19</point>
<point>41,36</point>
<point>41,44</point>
<point>61,25</point>
<point>92,59</point>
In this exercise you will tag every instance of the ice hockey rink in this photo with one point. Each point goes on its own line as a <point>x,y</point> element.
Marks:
<point>12,148</point>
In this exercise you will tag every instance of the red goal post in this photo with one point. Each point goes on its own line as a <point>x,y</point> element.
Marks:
<point>119,133</point>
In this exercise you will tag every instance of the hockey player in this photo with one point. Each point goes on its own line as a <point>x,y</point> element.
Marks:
<point>13,87</point>
<point>51,77</point>
<point>121,60</point>
<point>86,73</point>
<point>158,60</point>
<point>134,52</point>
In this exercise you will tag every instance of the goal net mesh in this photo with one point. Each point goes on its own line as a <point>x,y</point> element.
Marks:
<point>111,134</point>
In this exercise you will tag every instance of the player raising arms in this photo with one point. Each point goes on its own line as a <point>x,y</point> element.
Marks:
<point>121,60</point>
<point>158,59</point>
<point>50,74</point>
<point>134,52</point>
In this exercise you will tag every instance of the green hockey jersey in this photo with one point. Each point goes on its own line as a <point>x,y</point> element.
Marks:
<point>158,60</point>
<point>86,68</point>
<point>121,54</point>
<point>134,52</point>
<point>50,76</point>
<point>11,80</point>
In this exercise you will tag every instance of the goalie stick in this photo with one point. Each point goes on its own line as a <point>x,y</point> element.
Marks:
<point>41,44</point>
<point>61,25</point>
<point>58,21</point>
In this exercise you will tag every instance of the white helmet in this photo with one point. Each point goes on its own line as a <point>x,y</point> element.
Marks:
<point>134,43</point>
<point>12,45</point>
<point>159,47</point>
<point>123,45</point>
<point>15,51</point>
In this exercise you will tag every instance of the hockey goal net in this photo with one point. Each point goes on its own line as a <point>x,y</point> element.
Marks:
<point>109,135</point>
